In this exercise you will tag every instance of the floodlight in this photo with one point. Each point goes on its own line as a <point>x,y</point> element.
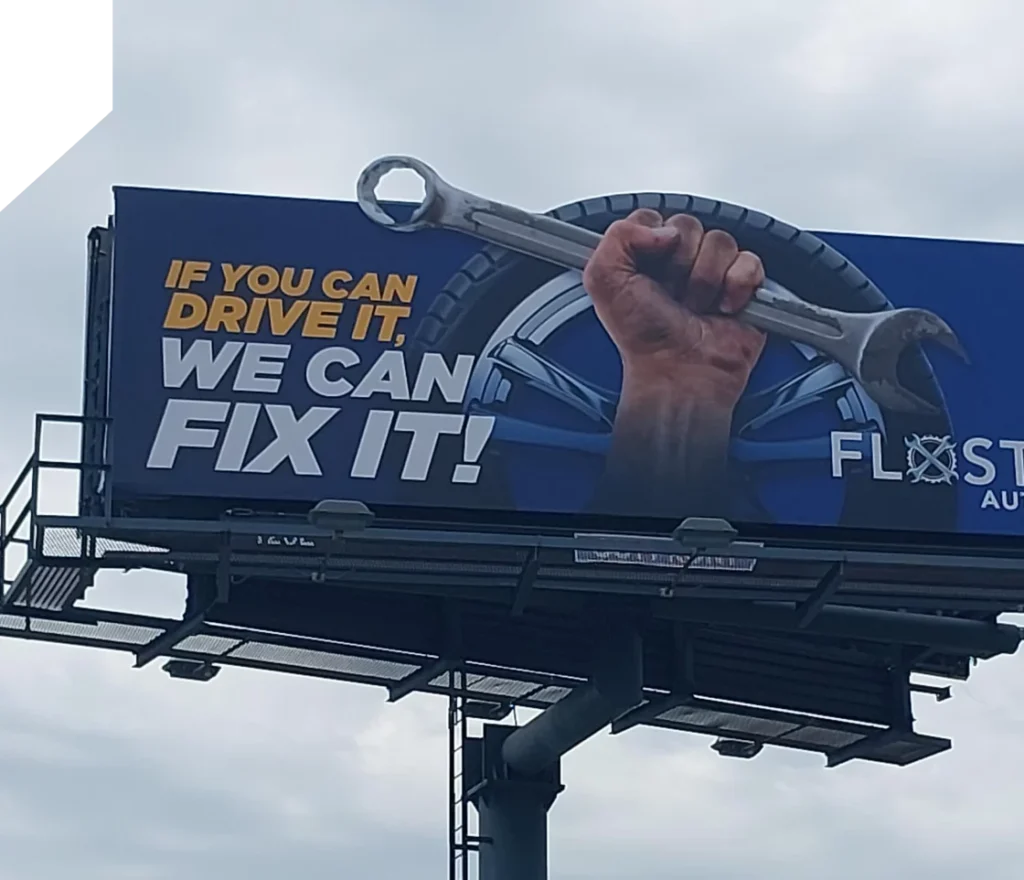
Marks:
<point>191,670</point>
<point>736,748</point>
<point>704,531</point>
<point>341,516</point>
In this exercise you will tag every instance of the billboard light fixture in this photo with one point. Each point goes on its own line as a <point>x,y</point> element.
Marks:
<point>704,532</point>
<point>191,670</point>
<point>736,748</point>
<point>341,516</point>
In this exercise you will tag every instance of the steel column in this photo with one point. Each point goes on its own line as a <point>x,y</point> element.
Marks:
<point>513,812</point>
<point>615,687</point>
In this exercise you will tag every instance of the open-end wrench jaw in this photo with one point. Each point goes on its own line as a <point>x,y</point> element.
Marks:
<point>891,333</point>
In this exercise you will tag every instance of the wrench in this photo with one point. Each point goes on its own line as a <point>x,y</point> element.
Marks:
<point>867,344</point>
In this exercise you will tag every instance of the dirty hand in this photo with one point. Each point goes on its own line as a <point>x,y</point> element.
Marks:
<point>667,293</point>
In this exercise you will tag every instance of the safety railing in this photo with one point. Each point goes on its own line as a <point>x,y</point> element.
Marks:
<point>14,522</point>
<point>20,506</point>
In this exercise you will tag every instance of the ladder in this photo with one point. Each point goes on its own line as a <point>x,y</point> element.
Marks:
<point>461,843</point>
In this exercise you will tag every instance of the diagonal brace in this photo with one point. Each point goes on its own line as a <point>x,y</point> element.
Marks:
<point>810,608</point>
<point>163,643</point>
<point>648,711</point>
<point>524,586</point>
<point>419,679</point>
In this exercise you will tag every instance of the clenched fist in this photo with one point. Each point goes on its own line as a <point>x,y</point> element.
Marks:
<point>668,292</point>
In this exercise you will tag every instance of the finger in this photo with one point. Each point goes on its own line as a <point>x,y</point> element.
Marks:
<point>681,262</point>
<point>742,279</point>
<point>645,217</point>
<point>717,252</point>
<point>626,244</point>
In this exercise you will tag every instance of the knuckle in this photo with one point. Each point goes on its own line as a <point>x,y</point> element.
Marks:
<point>645,217</point>
<point>756,264</point>
<point>746,271</point>
<point>753,267</point>
<point>687,224</point>
<point>720,240</point>
<point>619,228</point>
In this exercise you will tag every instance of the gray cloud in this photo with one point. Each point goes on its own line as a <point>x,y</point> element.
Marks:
<point>876,116</point>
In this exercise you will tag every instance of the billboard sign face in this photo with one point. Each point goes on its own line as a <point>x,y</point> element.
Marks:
<point>277,350</point>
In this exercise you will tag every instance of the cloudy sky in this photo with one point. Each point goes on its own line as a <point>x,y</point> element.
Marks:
<point>894,116</point>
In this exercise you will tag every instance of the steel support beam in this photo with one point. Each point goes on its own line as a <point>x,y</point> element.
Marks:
<point>988,559</point>
<point>972,637</point>
<point>615,687</point>
<point>524,586</point>
<point>419,679</point>
<point>863,747</point>
<point>940,693</point>
<point>449,659</point>
<point>649,711</point>
<point>820,595</point>
<point>169,640</point>
<point>682,686</point>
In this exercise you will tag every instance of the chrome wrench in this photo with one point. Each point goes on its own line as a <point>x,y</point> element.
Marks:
<point>867,344</point>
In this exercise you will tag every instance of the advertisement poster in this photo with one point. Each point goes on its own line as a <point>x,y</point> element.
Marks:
<point>276,350</point>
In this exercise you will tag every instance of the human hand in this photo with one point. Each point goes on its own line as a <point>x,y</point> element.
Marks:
<point>668,292</point>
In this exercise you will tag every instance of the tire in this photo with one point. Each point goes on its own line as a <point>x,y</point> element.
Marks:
<point>494,280</point>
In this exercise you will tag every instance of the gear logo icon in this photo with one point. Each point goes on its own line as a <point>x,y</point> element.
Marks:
<point>930,459</point>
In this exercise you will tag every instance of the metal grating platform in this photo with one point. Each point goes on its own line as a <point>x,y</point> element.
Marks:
<point>795,643</point>
<point>275,652</point>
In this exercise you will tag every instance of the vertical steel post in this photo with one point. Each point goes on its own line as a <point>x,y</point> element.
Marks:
<point>516,776</point>
<point>513,812</point>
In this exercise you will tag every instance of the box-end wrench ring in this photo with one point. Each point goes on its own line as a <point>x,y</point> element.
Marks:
<point>867,344</point>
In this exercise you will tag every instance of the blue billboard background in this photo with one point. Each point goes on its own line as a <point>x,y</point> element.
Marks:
<point>303,397</point>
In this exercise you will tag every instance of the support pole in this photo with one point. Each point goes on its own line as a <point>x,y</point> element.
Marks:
<point>615,687</point>
<point>513,815</point>
<point>514,777</point>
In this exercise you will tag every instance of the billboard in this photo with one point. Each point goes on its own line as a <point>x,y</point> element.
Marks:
<point>279,351</point>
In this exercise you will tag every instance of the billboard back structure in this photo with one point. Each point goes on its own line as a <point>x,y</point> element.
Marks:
<point>279,351</point>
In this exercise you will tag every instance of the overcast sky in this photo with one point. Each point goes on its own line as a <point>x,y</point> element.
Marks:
<point>894,116</point>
